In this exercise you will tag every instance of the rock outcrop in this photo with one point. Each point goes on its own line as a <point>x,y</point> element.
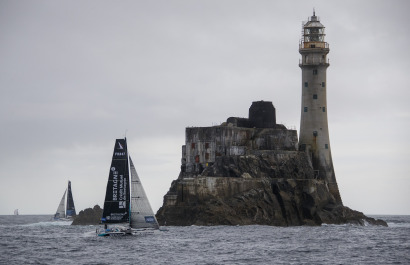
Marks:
<point>89,216</point>
<point>273,188</point>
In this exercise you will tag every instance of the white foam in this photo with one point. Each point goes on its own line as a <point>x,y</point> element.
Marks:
<point>50,223</point>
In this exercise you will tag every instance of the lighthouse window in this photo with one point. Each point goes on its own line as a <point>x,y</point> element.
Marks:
<point>314,96</point>
<point>314,71</point>
<point>326,146</point>
<point>323,84</point>
<point>305,109</point>
<point>306,84</point>
<point>324,109</point>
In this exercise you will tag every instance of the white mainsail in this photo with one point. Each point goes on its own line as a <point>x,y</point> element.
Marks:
<point>142,215</point>
<point>61,208</point>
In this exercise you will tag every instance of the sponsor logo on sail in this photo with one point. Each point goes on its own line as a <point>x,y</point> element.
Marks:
<point>119,151</point>
<point>149,219</point>
<point>115,216</point>
<point>115,185</point>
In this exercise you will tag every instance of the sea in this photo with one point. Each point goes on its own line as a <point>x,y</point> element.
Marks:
<point>35,239</point>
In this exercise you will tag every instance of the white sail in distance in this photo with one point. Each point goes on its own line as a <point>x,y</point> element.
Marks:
<point>61,208</point>
<point>142,215</point>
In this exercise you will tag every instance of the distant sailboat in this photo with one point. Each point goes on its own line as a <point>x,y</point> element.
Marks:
<point>16,212</point>
<point>66,208</point>
<point>127,210</point>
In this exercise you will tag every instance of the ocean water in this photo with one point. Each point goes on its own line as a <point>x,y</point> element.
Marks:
<point>34,239</point>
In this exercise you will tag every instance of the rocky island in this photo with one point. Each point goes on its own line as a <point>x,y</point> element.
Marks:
<point>252,171</point>
<point>89,216</point>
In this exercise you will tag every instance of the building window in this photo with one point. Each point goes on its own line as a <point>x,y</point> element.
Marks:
<point>206,145</point>
<point>312,46</point>
<point>324,109</point>
<point>323,84</point>
<point>314,71</point>
<point>326,146</point>
<point>193,145</point>
<point>314,96</point>
<point>305,109</point>
<point>314,133</point>
<point>306,84</point>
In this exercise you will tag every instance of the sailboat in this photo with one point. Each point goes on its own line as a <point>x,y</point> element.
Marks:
<point>127,210</point>
<point>66,208</point>
<point>16,212</point>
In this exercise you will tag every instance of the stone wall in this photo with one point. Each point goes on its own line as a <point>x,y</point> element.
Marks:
<point>203,145</point>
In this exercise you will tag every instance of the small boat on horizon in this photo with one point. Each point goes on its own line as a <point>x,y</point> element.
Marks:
<point>127,210</point>
<point>66,208</point>
<point>16,212</point>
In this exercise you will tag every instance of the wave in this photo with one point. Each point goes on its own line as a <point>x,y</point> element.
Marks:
<point>50,223</point>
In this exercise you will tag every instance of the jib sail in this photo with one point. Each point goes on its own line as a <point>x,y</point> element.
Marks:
<point>142,215</point>
<point>60,213</point>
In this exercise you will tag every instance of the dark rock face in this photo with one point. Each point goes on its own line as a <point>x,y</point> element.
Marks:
<point>270,188</point>
<point>89,216</point>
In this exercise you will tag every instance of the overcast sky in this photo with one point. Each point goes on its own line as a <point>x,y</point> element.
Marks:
<point>76,75</point>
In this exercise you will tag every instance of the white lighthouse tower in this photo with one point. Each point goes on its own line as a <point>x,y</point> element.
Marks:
<point>314,132</point>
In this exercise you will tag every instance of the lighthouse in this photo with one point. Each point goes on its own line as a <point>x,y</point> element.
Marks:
<point>314,132</point>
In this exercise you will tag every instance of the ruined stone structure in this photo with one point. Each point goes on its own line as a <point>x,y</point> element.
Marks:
<point>254,171</point>
<point>205,144</point>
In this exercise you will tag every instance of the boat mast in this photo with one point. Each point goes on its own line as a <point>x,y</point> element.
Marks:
<point>129,179</point>
<point>66,201</point>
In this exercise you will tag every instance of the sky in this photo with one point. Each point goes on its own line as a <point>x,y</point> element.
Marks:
<point>76,75</point>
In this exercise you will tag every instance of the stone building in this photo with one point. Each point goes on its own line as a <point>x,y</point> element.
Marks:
<point>237,136</point>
